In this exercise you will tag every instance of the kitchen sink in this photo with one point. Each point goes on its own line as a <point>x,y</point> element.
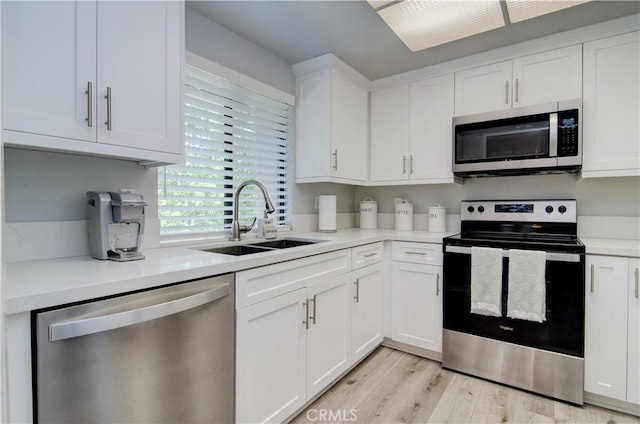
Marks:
<point>237,250</point>
<point>285,243</point>
<point>265,246</point>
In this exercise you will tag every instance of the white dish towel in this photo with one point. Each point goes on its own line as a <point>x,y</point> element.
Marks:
<point>526,297</point>
<point>486,281</point>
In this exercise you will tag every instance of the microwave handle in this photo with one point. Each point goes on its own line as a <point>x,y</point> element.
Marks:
<point>553,135</point>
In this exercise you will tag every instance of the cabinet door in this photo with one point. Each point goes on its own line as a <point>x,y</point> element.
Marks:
<point>548,76</point>
<point>366,312</point>
<point>611,106</point>
<point>329,333</point>
<point>483,89</point>
<point>430,133</point>
<point>416,305</point>
<point>49,60</point>
<point>349,124</point>
<point>271,358</point>
<point>140,61</point>
<point>633,342</point>
<point>605,354</point>
<point>389,138</point>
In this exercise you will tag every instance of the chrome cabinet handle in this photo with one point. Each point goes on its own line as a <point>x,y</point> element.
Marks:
<point>335,160</point>
<point>637,284</point>
<point>108,97</point>
<point>411,165</point>
<point>506,92</point>
<point>370,255</point>
<point>306,315</point>
<point>357,296</point>
<point>83,327</point>
<point>517,86</point>
<point>438,284</point>
<point>315,311</point>
<point>592,277</point>
<point>404,164</point>
<point>415,253</point>
<point>89,93</point>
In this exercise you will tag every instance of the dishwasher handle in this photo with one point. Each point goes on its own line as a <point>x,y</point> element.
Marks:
<point>83,327</point>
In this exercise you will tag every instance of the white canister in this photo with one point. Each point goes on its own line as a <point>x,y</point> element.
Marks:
<point>327,213</point>
<point>404,216</point>
<point>437,219</point>
<point>368,214</point>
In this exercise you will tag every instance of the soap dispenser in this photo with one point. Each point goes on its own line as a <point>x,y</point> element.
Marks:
<point>267,228</point>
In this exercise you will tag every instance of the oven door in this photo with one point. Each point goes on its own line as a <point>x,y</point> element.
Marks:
<point>563,330</point>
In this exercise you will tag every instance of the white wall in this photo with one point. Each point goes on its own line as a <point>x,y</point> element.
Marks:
<point>602,196</point>
<point>47,186</point>
<point>208,39</point>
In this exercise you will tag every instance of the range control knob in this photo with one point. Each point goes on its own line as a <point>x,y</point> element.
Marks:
<point>480,209</point>
<point>470,209</point>
<point>562,209</point>
<point>549,209</point>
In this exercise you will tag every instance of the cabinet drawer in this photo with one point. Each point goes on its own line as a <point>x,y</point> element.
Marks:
<point>259,284</point>
<point>366,255</point>
<point>418,253</point>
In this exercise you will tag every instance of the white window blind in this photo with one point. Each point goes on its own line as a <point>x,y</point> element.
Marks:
<point>232,134</point>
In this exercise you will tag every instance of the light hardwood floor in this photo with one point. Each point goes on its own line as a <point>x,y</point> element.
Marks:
<point>395,387</point>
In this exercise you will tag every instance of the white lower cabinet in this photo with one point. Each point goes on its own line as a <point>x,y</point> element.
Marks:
<point>366,313</point>
<point>612,328</point>
<point>416,296</point>
<point>300,325</point>
<point>328,332</point>
<point>271,359</point>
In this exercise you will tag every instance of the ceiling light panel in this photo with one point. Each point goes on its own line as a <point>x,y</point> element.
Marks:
<point>379,3</point>
<point>421,24</point>
<point>521,10</point>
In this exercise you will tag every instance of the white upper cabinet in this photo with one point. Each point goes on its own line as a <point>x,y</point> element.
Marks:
<point>101,78</point>
<point>139,58</point>
<point>538,78</point>
<point>483,89</point>
<point>611,106</point>
<point>389,134</point>
<point>332,120</point>
<point>411,132</point>
<point>49,60</point>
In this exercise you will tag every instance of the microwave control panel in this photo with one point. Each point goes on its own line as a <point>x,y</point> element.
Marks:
<point>568,133</point>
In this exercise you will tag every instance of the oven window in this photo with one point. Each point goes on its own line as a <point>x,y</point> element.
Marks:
<point>563,330</point>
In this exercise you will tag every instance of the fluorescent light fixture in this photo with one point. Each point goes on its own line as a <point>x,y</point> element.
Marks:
<point>521,10</point>
<point>421,24</point>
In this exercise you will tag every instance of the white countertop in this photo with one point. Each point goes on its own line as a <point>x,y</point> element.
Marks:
<point>41,284</point>
<point>612,247</point>
<point>34,285</point>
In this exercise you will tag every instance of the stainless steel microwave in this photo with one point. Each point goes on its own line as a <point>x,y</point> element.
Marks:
<point>533,139</point>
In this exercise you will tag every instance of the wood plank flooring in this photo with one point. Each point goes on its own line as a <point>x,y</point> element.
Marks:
<point>396,387</point>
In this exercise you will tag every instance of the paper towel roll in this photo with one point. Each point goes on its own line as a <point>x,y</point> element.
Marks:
<point>327,213</point>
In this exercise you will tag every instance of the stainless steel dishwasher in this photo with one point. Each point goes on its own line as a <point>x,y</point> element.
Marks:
<point>162,355</point>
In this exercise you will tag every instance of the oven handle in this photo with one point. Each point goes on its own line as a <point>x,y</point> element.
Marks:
<point>551,256</point>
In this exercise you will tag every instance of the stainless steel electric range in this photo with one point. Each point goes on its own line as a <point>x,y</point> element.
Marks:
<point>545,354</point>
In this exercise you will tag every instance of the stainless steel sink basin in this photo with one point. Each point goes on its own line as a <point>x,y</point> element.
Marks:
<point>237,250</point>
<point>265,246</point>
<point>285,243</point>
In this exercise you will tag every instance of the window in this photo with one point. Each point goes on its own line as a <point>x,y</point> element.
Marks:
<point>232,134</point>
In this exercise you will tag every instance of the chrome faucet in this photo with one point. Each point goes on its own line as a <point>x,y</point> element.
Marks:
<point>236,228</point>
